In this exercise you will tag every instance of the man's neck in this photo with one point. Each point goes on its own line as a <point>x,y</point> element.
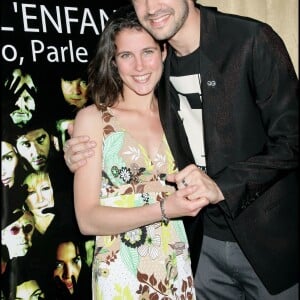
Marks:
<point>187,39</point>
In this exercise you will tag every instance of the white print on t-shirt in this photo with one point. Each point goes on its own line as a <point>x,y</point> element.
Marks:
<point>190,112</point>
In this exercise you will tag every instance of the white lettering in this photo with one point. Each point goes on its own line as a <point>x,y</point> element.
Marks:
<point>27,17</point>
<point>90,22</point>
<point>67,53</point>
<point>40,18</point>
<point>34,50</point>
<point>53,53</point>
<point>70,20</point>
<point>82,54</point>
<point>103,18</point>
<point>9,53</point>
<point>56,23</point>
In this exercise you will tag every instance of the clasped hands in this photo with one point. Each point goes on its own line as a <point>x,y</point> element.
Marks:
<point>196,187</point>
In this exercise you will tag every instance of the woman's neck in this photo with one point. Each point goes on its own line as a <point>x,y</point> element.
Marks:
<point>147,103</point>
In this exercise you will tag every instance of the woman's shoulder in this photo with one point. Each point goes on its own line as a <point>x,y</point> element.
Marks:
<point>90,109</point>
<point>88,112</point>
<point>89,117</point>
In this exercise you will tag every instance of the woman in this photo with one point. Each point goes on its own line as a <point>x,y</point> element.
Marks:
<point>71,272</point>
<point>139,253</point>
<point>9,162</point>
<point>12,171</point>
<point>40,199</point>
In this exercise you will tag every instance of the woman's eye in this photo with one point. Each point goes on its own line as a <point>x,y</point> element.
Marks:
<point>125,55</point>
<point>148,52</point>
<point>59,265</point>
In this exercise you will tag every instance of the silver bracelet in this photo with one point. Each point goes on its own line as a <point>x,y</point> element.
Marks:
<point>164,218</point>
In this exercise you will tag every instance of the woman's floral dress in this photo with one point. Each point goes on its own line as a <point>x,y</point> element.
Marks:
<point>150,262</point>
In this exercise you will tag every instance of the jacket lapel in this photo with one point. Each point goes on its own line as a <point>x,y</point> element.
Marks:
<point>170,120</point>
<point>216,108</point>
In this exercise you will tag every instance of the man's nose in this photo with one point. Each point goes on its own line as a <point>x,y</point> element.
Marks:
<point>34,151</point>
<point>76,87</point>
<point>21,103</point>
<point>152,6</point>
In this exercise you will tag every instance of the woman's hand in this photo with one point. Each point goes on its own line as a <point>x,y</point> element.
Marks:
<point>204,186</point>
<point>178,204</point>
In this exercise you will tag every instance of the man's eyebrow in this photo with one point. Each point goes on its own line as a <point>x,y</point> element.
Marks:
<point>37,292</point>
<point>24,141</point>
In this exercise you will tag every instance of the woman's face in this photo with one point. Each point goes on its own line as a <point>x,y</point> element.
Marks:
<point>9,161</point>
<point>29,290</point>
<point>139,60</point>
<point>40,193</point>
<point>68,264</point>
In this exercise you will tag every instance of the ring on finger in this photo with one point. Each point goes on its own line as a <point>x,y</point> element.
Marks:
<point>184,182</point>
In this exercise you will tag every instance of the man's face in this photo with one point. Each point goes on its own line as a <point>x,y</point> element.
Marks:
<point>74,91</point>
<point>24,89</point>
<point>68,264</point>
<point>18,235</point>
<point>9,161</point>
<point>162,18</point>
<point>40,193</point>
<point>34,146</point>
<point>29,290</point>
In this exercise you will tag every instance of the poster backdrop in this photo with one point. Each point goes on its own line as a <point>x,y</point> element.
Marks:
<point>45,48</point>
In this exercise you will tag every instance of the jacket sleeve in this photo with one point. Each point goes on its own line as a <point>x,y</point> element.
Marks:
<point>275,87</point>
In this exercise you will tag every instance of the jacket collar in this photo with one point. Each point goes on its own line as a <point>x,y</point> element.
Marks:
<point>210,44</point>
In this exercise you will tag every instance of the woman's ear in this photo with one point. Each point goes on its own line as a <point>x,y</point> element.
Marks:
<point>113,62</point>
<point>114,66</point>
<point>164,52</point>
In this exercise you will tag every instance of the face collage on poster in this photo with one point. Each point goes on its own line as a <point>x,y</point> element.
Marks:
<point>45,52</point>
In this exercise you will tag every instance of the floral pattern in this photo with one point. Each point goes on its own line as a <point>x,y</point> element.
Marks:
<point>150,262</point>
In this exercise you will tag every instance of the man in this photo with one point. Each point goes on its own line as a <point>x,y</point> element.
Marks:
<point>230,105</point>
<point>23,90</point>
<point>17,235</point>
<point>74,91</point>
<point>34,146</point>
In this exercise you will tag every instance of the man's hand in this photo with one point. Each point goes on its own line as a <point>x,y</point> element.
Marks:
<point>77,150</point>
<point>193,176</point>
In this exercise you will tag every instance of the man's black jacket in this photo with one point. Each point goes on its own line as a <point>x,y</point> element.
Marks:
<point>251,140</point>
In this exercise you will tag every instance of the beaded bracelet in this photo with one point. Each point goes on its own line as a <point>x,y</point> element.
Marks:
<point>164,218</point>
